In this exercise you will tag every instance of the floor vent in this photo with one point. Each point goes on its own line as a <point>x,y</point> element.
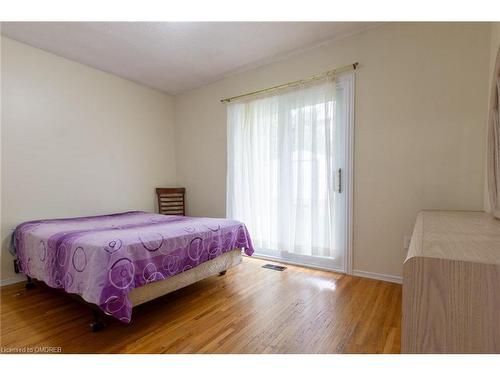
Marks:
<point>274,267</point>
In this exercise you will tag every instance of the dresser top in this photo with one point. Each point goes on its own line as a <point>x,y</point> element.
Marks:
<point>470,236</point>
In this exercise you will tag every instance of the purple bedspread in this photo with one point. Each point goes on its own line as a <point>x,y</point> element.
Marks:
<point>102,258</point>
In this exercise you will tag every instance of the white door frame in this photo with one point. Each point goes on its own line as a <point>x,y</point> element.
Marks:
<point>350,80</point>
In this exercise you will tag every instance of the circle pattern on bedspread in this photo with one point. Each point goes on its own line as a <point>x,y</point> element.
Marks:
<point>68,280</point>
<point>195,248</point>
<point>113,246</point>
<point>151,241</point>
<point>61,254</point>
<point>157,276</point>
<point>171,263</point>
<point>150,273</point>
<point>114,304</point>
<point>42,251</point>
<point>121,273</point>
<point>79,259</point>
<point>228,240</point>
<point>57,280</point>
<point>213,228</point>
<point>213,250</point>
<point>241,236</point>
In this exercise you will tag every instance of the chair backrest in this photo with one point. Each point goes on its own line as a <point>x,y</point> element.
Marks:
<point>171,201</point>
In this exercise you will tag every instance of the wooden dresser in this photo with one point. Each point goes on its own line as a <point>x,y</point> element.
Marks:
<point>451,284</point>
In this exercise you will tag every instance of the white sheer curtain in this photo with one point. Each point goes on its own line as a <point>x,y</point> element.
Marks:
<point>281,166</point>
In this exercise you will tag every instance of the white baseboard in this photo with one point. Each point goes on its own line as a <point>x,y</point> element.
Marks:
<point>378,276</point>
<point>13,280</point>
<point>369,275</point>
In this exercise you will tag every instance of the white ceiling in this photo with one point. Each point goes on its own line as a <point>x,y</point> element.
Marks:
<point>176,56</point>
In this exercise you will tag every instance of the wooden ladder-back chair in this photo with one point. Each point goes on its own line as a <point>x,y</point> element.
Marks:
<point>171,201</point>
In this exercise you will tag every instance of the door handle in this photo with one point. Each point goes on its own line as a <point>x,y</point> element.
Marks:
<point>339,180</point>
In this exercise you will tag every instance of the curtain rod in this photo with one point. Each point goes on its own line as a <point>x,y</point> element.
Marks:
<point>315,77</point>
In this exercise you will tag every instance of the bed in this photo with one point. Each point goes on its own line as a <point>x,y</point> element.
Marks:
<point>119,261</point>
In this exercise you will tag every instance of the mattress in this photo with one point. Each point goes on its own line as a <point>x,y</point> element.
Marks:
<point>104,258</point>
<point>209,268</point>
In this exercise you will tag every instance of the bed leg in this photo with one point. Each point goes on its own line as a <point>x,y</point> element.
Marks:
<point>30,284</point>
<point>222,273</point>
<point>97,324</point>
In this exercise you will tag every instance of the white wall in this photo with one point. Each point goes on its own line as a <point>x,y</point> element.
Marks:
<point>77,141</point>
<point>419,130</point>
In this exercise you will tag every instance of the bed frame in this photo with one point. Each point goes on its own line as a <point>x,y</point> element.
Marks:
<point>148,292</point>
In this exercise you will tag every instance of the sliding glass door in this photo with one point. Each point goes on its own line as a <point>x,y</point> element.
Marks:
<point>288,159</point>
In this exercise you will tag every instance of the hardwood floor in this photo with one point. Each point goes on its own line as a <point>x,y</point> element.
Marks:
<point>249,310</point>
